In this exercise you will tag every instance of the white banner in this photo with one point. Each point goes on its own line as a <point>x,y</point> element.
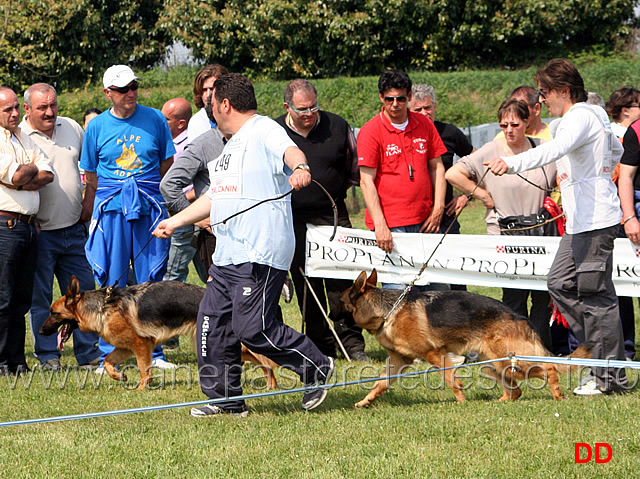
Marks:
<point>498,261</point>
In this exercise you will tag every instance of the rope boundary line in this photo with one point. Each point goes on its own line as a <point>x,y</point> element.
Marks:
<point>539,359</point>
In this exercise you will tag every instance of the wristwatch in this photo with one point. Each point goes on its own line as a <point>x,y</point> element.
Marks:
<point>303,166</point>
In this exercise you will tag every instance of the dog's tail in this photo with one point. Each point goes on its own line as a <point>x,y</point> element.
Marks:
<point>583,352</point>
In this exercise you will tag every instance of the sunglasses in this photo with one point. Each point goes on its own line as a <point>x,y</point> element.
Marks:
<point>308,111</point>
<point>125,89</point>
<point>504,126</point>
<point>543,94</point>
<point>399,99</point>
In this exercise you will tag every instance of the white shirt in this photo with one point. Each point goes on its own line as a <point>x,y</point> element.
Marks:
<point>250,169</point>
<point>586,151</point>
<point>60,200</point>
<point>198,124</point>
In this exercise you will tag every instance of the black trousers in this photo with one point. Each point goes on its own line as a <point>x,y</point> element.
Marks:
<point>316,326</point>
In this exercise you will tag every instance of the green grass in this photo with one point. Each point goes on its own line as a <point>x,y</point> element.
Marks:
<point>412,431</point>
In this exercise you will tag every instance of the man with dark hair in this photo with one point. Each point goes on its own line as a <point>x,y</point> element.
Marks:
<point>24,169</point>
<point>62,217</point>
<point>401,170</point>
<point>253,252</point>
<point>330,147</point>
<point>580,280</point>
<point>202,88</point>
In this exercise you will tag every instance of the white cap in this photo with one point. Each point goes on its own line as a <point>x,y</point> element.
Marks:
<point>118,76</point>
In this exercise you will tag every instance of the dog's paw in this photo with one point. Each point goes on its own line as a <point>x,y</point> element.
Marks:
<point>362,404</point>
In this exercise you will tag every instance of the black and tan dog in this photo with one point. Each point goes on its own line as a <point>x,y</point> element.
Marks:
<point>427,325</point>
<point>135,320</point>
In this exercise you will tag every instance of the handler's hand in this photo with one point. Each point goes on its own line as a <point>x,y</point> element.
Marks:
<point>164,229</point>
<point>384,239</point>
<point>497,166</point>
<point>299,179</point>
<point>432,223</point>
<point>632,230</point>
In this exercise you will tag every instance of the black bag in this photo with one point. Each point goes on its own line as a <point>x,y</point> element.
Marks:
<point>539,224</point>
<point>531,225</point>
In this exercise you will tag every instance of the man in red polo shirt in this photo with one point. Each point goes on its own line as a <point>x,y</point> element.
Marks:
<point>401,172</point>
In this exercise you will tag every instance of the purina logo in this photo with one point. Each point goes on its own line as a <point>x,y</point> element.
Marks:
<point>355,240</point>
<point>521,249</point>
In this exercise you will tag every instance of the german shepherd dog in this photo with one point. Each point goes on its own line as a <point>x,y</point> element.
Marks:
<point>428,325</point>
<point>135,320</point>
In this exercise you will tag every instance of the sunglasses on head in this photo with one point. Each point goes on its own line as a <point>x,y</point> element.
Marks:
<point>125,89</point>
<point>399,99</point>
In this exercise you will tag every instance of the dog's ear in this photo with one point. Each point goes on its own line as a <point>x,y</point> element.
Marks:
<point>360,284</point>
<point>373,278</point>
<point>73,291</point>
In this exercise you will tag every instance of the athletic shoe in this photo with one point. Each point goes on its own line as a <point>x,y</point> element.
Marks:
<point>93,364</point>
<point>162,364</point>
<point>52,364</point>
<point>213,410</point>
<point>359,356</point>
<point>100,370</point>
<point>312,399</point>
<point>172,344</point>
<point>588,389</point>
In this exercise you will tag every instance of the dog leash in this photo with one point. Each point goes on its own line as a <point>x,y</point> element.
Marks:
<point>424,266</point>
<point>333,234</point>
<point>333,206</point>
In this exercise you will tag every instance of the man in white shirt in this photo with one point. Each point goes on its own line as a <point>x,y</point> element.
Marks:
<point>24,169</point>
<point>580,280</point>
<point>253,253</point>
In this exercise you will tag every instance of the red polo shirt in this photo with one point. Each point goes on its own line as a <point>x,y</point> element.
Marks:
<point>405,201</point>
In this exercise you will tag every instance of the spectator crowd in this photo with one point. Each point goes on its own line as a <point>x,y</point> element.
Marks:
<point>135,195</point>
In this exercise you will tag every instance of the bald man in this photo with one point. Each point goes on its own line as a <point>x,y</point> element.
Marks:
<point>177,111</point>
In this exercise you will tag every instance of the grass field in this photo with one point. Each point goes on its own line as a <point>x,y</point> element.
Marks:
<point>415,430</point>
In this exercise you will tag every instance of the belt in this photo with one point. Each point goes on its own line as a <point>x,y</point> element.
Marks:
<point>20,217</point>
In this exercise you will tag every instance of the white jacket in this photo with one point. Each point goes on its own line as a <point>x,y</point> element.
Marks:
<point>586,151</point>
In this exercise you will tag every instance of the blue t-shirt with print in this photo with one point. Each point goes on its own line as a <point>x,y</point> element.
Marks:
<point>117,148</point>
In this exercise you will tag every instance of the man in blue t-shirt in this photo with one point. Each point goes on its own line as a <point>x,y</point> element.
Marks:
<point>126,151</point>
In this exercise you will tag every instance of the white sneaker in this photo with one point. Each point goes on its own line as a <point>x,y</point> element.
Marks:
<point>456,359</point>
<point>100,370</point>
<point>162,364</point>
<point>588,389</point>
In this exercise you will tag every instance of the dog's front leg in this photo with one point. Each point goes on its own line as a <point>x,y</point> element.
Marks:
<point>395,362</point>
<point>112,360</point>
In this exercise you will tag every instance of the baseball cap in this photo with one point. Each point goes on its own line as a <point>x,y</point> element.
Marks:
<point>118,76</point>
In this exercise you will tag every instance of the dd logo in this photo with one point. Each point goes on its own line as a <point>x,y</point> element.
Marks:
<point>598,446</point>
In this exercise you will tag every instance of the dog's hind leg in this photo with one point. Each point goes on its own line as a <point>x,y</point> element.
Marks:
<point>266,364</point>
<point>142,348</point>
<point>547,372</point>
<point>439,359</point>
<point>113,359</point>
<point>503,373</point>
<point>394,364</point>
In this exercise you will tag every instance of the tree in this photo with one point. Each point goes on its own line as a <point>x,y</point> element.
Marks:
<point>323,38</point>
<point>68,43</point>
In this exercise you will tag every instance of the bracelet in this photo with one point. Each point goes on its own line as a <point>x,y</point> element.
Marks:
<point>628,218</point>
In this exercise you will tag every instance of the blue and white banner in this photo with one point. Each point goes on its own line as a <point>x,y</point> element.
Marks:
<point>498,261</point>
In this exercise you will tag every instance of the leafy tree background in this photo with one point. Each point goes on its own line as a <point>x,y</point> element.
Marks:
<point>70,43</point>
